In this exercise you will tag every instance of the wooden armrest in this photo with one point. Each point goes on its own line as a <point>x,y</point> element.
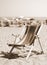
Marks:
<point>15,45</point>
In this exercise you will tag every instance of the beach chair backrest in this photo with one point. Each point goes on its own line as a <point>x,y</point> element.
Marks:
<point>29,36</point>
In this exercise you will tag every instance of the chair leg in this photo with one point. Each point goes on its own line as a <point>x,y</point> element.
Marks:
<point>11,49</point>
<point>14,43</point>
<point>29,52</point>
<point>40,45</point>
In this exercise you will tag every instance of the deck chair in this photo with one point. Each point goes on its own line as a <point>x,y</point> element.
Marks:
<point>28,37</point>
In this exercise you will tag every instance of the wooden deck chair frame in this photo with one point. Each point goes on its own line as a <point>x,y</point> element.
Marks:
<point>29,39</point>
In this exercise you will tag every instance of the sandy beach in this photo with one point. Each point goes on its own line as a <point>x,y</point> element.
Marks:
<point>6,37</point>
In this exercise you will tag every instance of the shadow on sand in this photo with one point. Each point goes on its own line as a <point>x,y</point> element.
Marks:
<point>15,56</point>
<point>37,53</point>
<point>9,55</point>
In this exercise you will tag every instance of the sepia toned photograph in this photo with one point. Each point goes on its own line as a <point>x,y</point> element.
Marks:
<point>23,32</point>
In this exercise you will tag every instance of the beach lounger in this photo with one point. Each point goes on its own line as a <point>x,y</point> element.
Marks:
<point>27,39</point>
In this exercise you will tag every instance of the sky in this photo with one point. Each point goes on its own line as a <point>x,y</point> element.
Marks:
<point>29,8</point>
